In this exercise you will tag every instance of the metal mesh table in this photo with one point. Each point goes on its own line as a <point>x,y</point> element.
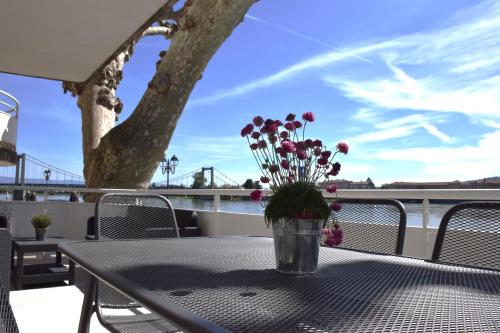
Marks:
<point>232,282</point>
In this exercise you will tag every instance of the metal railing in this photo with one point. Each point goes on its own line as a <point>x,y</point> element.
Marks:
<point>424,196</point>
<point>9,104</point>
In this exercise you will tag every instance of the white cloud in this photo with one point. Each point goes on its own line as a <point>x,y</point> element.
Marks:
<point>445,163</point>
<point>381,135</point>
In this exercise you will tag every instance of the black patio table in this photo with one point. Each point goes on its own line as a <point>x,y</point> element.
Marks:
<point>229,284</point>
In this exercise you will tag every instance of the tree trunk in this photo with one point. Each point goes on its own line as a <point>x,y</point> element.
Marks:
<point>127,155</point>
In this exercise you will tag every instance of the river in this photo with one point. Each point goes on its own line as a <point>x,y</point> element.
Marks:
<point>413,211</point>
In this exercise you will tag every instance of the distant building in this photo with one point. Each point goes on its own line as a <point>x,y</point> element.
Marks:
<point>349,184</point>
<point>493,182</point>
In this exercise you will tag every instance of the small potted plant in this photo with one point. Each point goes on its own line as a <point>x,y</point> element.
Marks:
<point>41,223</point>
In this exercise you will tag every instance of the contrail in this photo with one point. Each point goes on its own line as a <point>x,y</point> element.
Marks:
<point>317,41</point>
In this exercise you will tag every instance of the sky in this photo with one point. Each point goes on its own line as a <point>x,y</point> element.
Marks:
<point>412,86</point>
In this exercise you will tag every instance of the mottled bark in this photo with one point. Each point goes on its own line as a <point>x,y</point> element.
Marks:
<point>126,156</point>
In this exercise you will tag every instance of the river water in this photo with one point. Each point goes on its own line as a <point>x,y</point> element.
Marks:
<point>413,211</point>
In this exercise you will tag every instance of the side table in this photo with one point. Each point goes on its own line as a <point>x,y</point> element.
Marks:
<point>39,273</point>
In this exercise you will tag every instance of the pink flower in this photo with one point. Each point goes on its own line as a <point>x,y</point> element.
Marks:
<point>247,130</point>
<point>262,144</point>
<point>273,168</point>
<point>284,134</point>
<point>309,143</point>
<point>271,129</point>
<point>318,143</point>
<point>290,179</point>
<point>264,179</point>
<point>323,161</point>
<point>343,147</point>
<point>317,151</point>
<point>290,117</point>
<point>288,146</point>
<point>326,153</point>
<point>297,124</point>
<point>257,121</point>
<point>256,195</point>
<point>308,116</point>
<point>301,155</point>
<point>285,164</point>
<point>273,138</point>
<point>255,135</point>
<point>269,122</point>
<point>290,126</point>
<point>331,188</point>
<point>333,173</point>
<point>336,166</point>
<point>335,206</point>
<point>300,145</point>
<point>254,146</point>
<point>278,123</point>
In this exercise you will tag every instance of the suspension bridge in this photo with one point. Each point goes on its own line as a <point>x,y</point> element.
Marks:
<point>30,171</point>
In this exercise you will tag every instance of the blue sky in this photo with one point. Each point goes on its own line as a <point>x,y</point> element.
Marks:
<point>412,86</point>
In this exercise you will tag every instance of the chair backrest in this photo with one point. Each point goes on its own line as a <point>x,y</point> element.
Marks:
<point>469,235</point>
<point>372,225</point>
<point>131,216</point>
<point>7,321</point>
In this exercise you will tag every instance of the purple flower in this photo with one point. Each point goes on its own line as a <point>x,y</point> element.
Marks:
<point>317,151</point>
<point>288,146</point>
<point>271,129</point>
<point>264,179</point>
<point>262,144</point>
<point>285,164</point>
<point>273,139</point>
<point>255,135</point>
<point>278,123</point>
<point>301,155</point>
<point>284,134</point>
<point>290,179</point>
<point>257,121</point>
<point>297,124</point>
<point>256,195</point>
<point>322,161</point>
<point>326,153</point>
<point>269,122</point>
<point>290,126</point>
<point>309,143</point>
<point>335,206</point>
<point>254,146</point>
<point>318,143</point>
<point>247,130</point>
<point>331,188</point>
<point>300,145</point>
<point>290,117</point>
<point>273,168</point>
<point>343,147</point>
<point>336,166</point>
<point>308,116</point>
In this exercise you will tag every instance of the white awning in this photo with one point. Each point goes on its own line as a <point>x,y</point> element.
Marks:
<point>67,39</point>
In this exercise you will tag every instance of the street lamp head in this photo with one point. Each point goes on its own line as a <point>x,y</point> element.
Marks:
<point>174,161</point>
<point>47,173</point>
<point>163,165</point>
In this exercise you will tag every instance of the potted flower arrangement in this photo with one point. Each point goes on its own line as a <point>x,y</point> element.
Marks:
<point>41,223</point>
<point>292,165</point>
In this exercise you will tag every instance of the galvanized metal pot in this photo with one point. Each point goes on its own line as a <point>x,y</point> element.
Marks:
<point>296,245</point>
<point>40,234</point>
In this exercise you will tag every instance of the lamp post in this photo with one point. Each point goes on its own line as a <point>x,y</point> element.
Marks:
<point>47,173</point>
<point>168,166</point>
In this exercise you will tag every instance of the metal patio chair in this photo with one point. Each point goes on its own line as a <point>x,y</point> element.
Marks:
<point>469,235</point>
<point>130,216</point>
<point>371,225</point>
<point>7,321</point>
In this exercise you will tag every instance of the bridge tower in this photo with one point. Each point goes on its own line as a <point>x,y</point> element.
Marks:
<point>212,179</point>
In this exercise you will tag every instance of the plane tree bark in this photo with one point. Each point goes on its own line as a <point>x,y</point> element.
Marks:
<point>127,155</point>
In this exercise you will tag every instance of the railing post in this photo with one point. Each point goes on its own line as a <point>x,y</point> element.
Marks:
<point>425,213</point>
<point>216,202</point>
